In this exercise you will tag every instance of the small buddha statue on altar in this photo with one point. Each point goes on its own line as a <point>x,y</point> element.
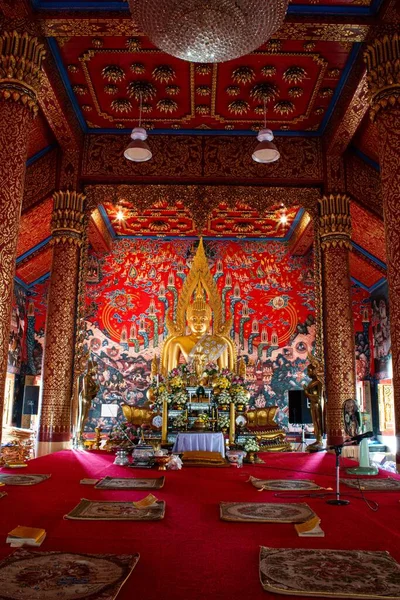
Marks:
<point>313,391</point>
<point>89,391</point>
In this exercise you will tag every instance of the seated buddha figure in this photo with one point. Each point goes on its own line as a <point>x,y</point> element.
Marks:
<point>200,346</point>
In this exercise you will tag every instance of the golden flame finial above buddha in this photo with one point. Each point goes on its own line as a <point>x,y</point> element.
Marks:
<point>209,332</point>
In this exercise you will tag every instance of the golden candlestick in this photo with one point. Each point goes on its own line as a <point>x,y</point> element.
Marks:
<point>232,423</point>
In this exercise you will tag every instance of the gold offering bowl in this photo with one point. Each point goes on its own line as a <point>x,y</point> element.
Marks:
<point>162,461</point>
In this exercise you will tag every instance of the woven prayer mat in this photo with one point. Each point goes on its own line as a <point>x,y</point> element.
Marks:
<point>380,485</point>
<point>92,510</point>
<point>11,479</point>
<point>130,483</point>
<point>329,573</point>
<point>265,512</point>
<point>27,575</point>
<point>284,484</point>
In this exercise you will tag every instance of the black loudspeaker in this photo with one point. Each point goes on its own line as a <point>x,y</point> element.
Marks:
<point>299,408</point>
<point>31,400</point>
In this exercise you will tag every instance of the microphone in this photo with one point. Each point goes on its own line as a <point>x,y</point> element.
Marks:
<point>362,436</point>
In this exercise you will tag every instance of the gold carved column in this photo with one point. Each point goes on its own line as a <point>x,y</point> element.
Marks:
<point>68,224</point>
<point>340,365</point>
<point>20,63</point>
<point>383,75</point>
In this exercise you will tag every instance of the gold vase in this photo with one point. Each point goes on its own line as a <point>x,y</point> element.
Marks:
<point>251,457</point>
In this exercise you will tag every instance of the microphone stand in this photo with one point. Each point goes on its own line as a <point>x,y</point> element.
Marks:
<point>338,500</point>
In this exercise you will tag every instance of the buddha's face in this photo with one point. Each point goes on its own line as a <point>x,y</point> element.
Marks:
<point>198,322</point>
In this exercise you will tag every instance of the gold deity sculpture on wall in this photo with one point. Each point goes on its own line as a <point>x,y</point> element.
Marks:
<point>199,306</point>
<point>314,391</point>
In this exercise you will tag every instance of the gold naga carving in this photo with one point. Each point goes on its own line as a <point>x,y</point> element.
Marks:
<point>177,342</point>
<point>21,59</point>
<point>68,220</point>
<point>335,221</point>
<point>383,73</point>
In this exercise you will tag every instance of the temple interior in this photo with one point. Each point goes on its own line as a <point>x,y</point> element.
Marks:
<point>199,251</point>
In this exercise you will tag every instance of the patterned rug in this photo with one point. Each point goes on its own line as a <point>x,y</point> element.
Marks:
<point>265,512</point>
<point>26,575</point>
<point>329,573</point>
<point>10,479</point>
<point>284,484</point>
<point>89,510</point>
<point>130,483</point>
<point>381,485</point>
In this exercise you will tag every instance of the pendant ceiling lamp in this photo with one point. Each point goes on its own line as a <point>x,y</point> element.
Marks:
<point>138,150</point>
<point>265,151</point>
<point>209,31</point>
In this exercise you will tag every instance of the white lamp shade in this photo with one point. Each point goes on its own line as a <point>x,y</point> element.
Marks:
<point>138,150</point>
<point>265,151</point>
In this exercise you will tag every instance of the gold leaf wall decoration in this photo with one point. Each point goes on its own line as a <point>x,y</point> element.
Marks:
<point>295,92</point>
<point>203,69</point>
<point>167,105</point>
<point>325,92</point>
<point>309,46</point>
<point>203,109</point>
<point>333,73</point>
<point>274,45</point>
<point>233,90</point>
<point>97,42</point>
<point>121,105</point>
<point>294,74</point>
<point>243,74</point>
<point>113,73</point>
<point>133,44</point>
<point>203,90</point>
<point>264,92</point>
<point>172,90</point>
<point>79,90</point>
<point>284,107</point>
<point>163,73</point>
<point>137,68</point>
<point>111,89</point>
<point>268,71</point>
<point>145,89</point>
<point>238,107</point>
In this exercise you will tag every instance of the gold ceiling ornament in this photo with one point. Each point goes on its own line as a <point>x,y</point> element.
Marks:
<point>148,125</point>
<point>284,107</point>
<point>243,74</point>
<point>309,46</point>
<point>137,68</point>
<point>333,73</point>
<point>203,90</point>
<point>97,43</point>
<point>229,127</point>
<point>382,58</point>
<point>202,109</point>
<point>111,89</point>
<point>163,73</point>
<point>212,32</point>
<point>175,126</point>
<point>172,90</point>
<point>268,71</point>
<point>121,105</point>
<point>233,90</point>
<point>294,74</point>
<point>203,69</point>
<point>79,89</point>
<point>260,109</point>
<point>284,127</point>
<point>319,110</point>
<point>73,68</point>
<point>325,92</point>
<point>238,107</point>
<point>264,92</point>
<point>147,107</point>
<point>21,59</point>
<point>113,73</point>
<point>295,92</point>
<point>274,45</point>
<point>257,126</point>
<point>141,89</point>
<point>167,105</point>
<point>87,107</point>
<point>335,221</point>
<point>119,125</point>
<point>133,44</point>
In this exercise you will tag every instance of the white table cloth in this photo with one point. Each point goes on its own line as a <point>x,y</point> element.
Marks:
<point>208,442</point>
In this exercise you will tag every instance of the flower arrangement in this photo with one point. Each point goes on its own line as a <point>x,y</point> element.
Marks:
<point>211,368</point>
<point>251,445</point>
<point>123,435</point>
<point>222,382</point>
<point>239,394</point>
<point>180,422</point>
<point>223,421</point>
<point>179,397</point>
<point>224,398</point>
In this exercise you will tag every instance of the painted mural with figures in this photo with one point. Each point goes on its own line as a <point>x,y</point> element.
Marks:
<point>269,292</point>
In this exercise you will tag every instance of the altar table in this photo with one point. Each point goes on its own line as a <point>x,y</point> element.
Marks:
<point>209,442</point>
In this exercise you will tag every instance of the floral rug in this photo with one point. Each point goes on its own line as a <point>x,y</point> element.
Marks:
<point>329,573</point>
<point>130,483</point>
<point>265,512</point>
<point>89,510</point>
<point>11,479</point>
<point>381,485</point>
<point>284,484</point>
<point>27,575</point>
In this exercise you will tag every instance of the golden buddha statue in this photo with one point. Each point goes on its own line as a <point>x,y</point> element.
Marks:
<point>313,391</point>
<point>90,389</point>
<point>200,346</point>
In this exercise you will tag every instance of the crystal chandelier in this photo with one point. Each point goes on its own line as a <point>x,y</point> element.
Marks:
<point>209,31</point>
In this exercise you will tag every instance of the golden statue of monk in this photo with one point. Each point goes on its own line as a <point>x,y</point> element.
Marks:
<point>201,345</point>
<point>313,391</point>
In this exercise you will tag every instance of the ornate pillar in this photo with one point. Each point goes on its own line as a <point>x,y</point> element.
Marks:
<point>340,362</point>
<point>68,223</point>
<point>20,63</point>
<point>383,68</point>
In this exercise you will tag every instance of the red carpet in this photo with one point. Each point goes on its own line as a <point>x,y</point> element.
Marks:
<point>191,554</point>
